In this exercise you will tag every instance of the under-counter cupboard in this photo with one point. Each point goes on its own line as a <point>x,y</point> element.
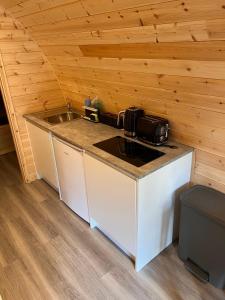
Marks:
<point>70,166</point>
<point>43,153</point>
<point>135,213</point>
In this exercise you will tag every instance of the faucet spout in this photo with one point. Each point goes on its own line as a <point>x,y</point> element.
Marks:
<point>118,117</point>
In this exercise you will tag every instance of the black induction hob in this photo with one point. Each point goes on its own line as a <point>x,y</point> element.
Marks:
<point>130,151</point>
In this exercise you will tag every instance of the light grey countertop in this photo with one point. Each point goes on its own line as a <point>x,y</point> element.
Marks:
<point>83,134</point>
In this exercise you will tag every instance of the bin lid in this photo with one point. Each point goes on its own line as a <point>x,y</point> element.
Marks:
<point>206,201</point>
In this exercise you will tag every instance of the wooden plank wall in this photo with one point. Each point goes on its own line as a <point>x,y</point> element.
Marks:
<point>31,83</point>
<point>166,56</point>
<point>6,140</point>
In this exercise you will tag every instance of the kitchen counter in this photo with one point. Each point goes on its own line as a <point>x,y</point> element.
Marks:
<point>84,134</point>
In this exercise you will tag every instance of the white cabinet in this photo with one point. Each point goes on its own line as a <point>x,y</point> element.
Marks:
<point>137,215</point>
<point>69,161</point>
<point>41,142</point>
<point>112,202</point>
<point>156,197</point>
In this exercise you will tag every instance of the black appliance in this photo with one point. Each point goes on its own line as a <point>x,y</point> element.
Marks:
<point>131,115</point>
<point>91,114</point>
<point>152,129</point>
<point>111,119</point>
<point>129,151</point>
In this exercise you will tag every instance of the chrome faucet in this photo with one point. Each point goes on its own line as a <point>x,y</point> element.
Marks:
<point>118,117</point>
<point>69,107</point>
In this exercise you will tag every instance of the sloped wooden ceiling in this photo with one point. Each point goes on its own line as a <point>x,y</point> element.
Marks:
<point>167,56</point>
<point>29,84</point>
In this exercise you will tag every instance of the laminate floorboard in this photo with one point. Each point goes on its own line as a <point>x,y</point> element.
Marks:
<point>47,252</point>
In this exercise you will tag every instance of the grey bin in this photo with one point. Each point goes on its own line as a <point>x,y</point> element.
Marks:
<point>202,233</point>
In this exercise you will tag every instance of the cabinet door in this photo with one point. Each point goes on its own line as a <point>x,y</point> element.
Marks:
<point>70,168</point>
<point>41,142</point>
<point>112,202</point>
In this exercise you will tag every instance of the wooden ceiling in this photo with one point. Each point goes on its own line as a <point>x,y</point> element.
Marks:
<point>163,29</point>
<point>200,20</point>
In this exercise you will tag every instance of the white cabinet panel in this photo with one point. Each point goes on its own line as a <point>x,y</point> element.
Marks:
<point>41,142</point>
<point>157,193</point>
<point>137,215</point>
<point>70,168</point>
<point>112,202</point>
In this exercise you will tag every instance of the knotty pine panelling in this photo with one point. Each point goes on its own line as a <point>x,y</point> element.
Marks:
<point>166,56</point>
<point>31,83</point>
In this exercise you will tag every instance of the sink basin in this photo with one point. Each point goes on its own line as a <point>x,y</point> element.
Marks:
<point>63,117</point>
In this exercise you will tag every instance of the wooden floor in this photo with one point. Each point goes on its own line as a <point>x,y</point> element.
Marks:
<point>47,252</point>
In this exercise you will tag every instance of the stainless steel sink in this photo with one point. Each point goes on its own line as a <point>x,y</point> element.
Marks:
<point>63,117</point>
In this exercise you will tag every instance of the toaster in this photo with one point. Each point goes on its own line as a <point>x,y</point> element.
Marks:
<point>153,130</point>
